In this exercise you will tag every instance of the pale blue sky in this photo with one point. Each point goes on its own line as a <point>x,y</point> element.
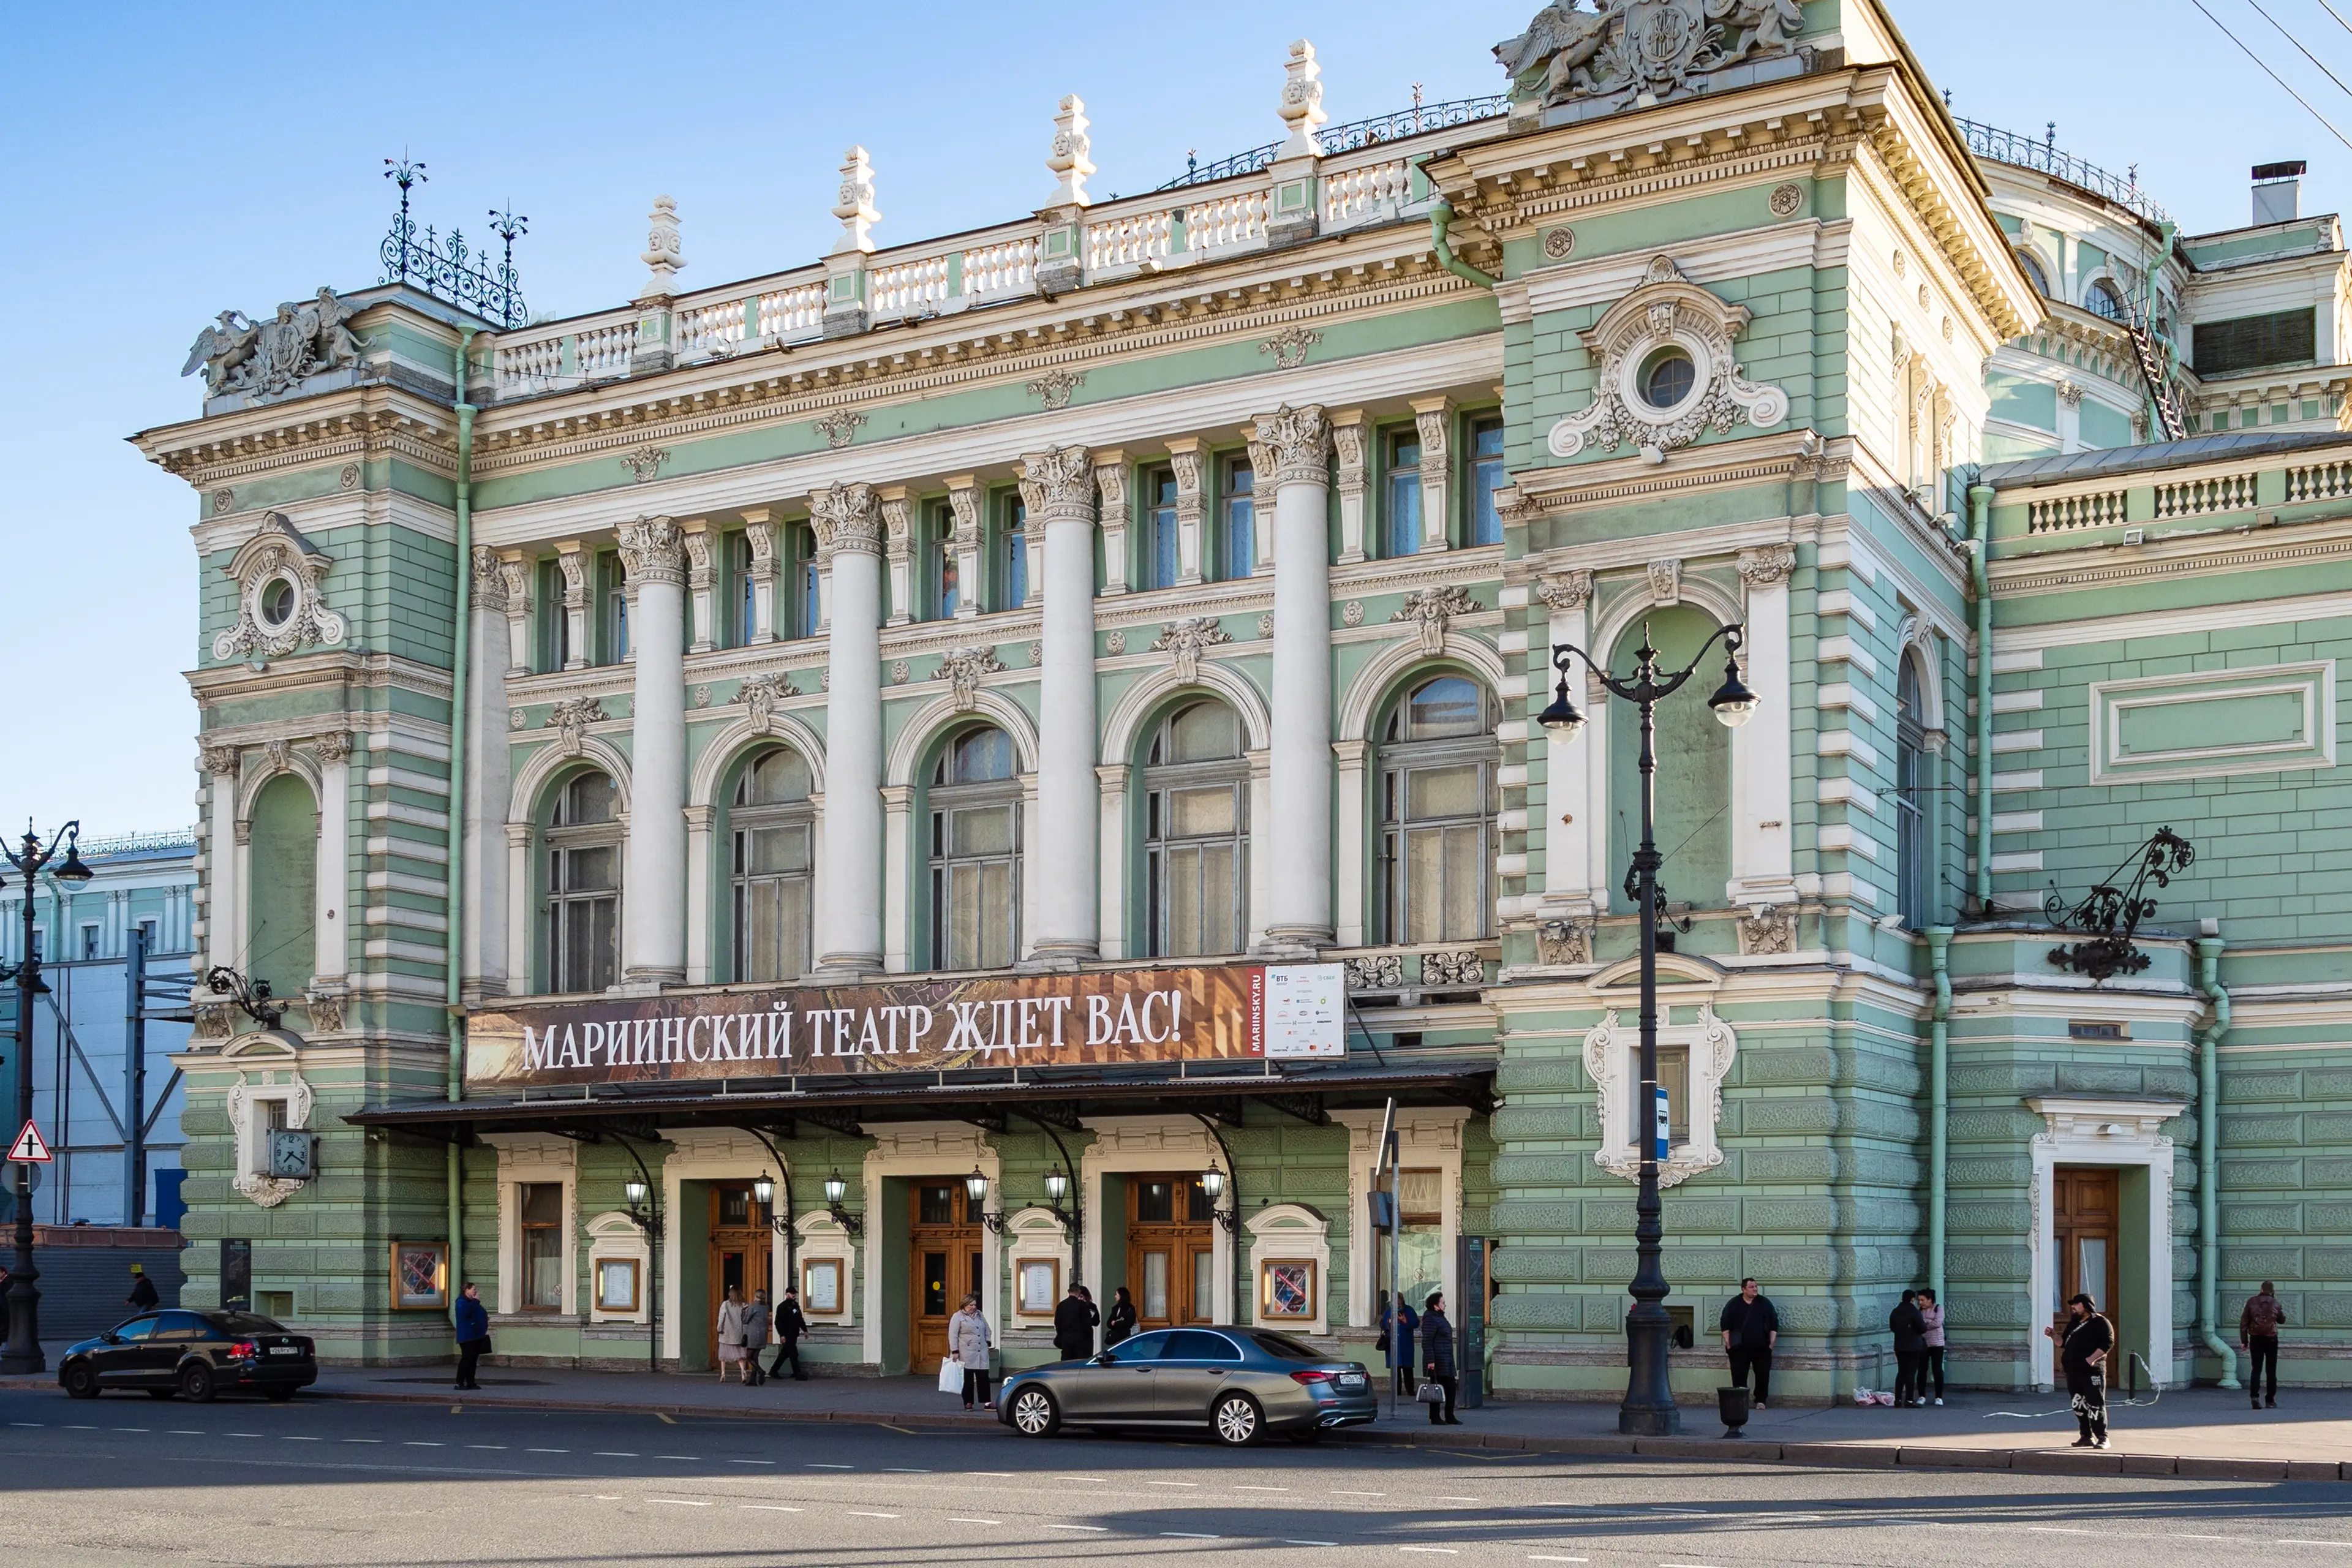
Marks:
<point>158,162</point>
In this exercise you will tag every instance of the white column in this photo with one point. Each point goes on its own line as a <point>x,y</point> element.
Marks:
<point>572,556</point>
<point>1432,417</point>
<point>652,898</point>
<point>224,911</point>
<point>1570,820</point>
<point>331,912</point>
<point>1292,448</point>
<point>964,501</point>
<point>898,546</point>
<point>1110,488</point>
<point>1189,457</point>
<point>759,529</point>
<point>1354,760</point>
<point>1763,859</point>
<point>849,545</point>
<point>1060,489</point>
<point>519,924</point>
<point>1111,779</point>
<point>898,848</point>
<point>1351,437</point>
<point>701,547</point>
<point>514,591</point>
<point>483,969</point>
<point>700,820</point>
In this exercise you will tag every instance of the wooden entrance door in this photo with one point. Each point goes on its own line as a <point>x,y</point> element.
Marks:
<point>946,1262</point>
<point>739,1243</point>
<point>1170,1251</point>
<point>2086,1223</point>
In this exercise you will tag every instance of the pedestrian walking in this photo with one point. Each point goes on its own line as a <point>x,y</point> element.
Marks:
<point>2083,1341</point>
<point>729,1330</point>
<point>1931,1360</point>
<point>1121,1322</point>
<point>1910,1348</point>
<point>1751,1327</point>
<point>142,1296</point>
<point>1396,1337</point>
<point>1073,1324</point>
<point>791,1325</point>
<point>2258,1325</point>
<point>472,1320</point>
<point>757,1315</point>
<point>968,1343</point>
<point>1437,1357</point>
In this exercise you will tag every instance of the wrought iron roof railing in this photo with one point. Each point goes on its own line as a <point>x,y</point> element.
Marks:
<point>2043,155</point>
<point>449,268</point>
<point>140,843</point>
<point>1355,133</point>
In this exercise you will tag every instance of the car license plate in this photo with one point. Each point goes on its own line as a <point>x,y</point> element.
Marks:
<point>1351,1380</point>
<point>285,1350</point>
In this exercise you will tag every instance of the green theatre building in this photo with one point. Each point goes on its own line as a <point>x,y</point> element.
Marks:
<point>994,762</point>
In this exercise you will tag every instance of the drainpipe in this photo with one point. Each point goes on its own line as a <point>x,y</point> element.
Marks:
<point>1939,1109</point>
<point>453,944</point>
<point>2208,1156</point>
<point>1441,214</point>
<point>1981,766</point>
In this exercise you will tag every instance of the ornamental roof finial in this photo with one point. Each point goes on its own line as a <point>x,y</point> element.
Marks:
<point>663,253</point>
<point>1302,103</point>
<point>1068,160</point>
<point>855,207</point>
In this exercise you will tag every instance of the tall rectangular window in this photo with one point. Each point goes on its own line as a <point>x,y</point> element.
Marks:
<point>1159,554</point>
<point>540,1209</point>
<point>1012,560</point>
<point>947,591</point>
<point>612,623</point>
<point>1486,477</point>
<point>747,590</point>
<point>812,603</point>
<point>1674,1077</point>
<point>554,619</point>
<point>1240,530</point>
<point>1402,493</point>
<point>90,941</point>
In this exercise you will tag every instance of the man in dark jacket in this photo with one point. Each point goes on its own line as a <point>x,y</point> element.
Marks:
<point>473,1323</point>
<point>791,1325</point>
<point>1437,1357</point>
<point>142,1291</point>
<point>2083,1346</point>
<point>1751,1326</point>
<point>2258,1326</point>
<point>1398,1342</point>
<point>1910,1331</point>
<point>1074,1325</point>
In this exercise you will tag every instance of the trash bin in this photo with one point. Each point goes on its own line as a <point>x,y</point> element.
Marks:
<point>1733,1405</point>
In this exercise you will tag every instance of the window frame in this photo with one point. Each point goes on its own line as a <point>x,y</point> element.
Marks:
<point>1400,491</point>
<point>1487,472</point>
<point>944,799</point>
<point>1913,886</point>
<point>1401,756</point>
<point>563,838</point>
<point>1009,553</point>
<point>942,588</point>
<point>1160,780</point>
<point>1162,544</point>
<point>526,1228</point>
<point>612,609</point>
<point>745,817</point>
<point>1238,553</point>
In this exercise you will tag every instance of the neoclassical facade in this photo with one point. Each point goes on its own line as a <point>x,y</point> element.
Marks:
<point>1168,585</point>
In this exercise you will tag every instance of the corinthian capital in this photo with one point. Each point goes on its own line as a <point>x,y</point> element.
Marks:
<point>489,587</point>
<point>652,549</point>
<point>1058,485</point>
<point>1294,445</point>
<point>844,518</point>
<point>1767,564</point>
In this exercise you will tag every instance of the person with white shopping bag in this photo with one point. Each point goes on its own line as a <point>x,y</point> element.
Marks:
<point>965,1366</point>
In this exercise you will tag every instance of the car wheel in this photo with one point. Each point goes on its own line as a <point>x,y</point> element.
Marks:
<point>279,1396</point>
<point>81,1380</point>
<point>1237,1421</point>
<point>196,1383</point>
<point>1035,1414</point>
<point>161,1392</point>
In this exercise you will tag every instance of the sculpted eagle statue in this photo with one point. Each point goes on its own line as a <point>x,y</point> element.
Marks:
<point>224,352</point>
<point>1562,41</point>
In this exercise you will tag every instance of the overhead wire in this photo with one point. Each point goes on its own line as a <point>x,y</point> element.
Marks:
<point>2291,39</point>
<point>2338,15</point>
<point>2272,75</point>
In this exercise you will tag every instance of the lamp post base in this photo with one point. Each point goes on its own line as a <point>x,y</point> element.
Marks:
<point>1649,1410</point>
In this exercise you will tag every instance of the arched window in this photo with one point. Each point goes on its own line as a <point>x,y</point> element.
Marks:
<point>2034,273</point>
<point>1693,767</point>
<point>1914,881</point>
<point>1437,789</point>
<point>584,886</point>
<point>2102,299</point>
<point>1196,833</point>
<point>282,859</point>
<point>770,824</point>
<point>975,810</point>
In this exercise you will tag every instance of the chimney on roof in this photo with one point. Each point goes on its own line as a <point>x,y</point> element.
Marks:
<point>2278,191</point>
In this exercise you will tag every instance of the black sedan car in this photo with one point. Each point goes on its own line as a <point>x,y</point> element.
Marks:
<point>195,1354</point>
<point>1237,1383</point>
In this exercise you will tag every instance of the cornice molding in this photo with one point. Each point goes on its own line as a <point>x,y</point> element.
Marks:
<point>341,671</point>
<point>2224,550</point>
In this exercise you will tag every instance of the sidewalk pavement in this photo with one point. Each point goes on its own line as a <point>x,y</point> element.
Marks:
<point>2202,1432</point>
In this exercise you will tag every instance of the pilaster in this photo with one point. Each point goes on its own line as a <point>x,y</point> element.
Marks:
<point>1189,457</point>
<point>702,549</point>
<point>899,550</point>
<point>965,500</point>
<point>760,531</point>
<point>1352,438</point>
<point>1110,492</point>
<point>1433,420</point>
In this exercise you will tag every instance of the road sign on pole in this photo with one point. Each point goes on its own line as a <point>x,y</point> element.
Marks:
<point>30,1148</point>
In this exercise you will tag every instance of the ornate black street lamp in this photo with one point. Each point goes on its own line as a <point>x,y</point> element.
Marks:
<point>835,1189</point>
<point>23,1354</point>
<point>1649,1410</point>
<point>975,1188</point>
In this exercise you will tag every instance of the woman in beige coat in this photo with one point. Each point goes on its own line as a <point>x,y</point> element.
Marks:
<point>733,1350</point>
<point>968,1345</point>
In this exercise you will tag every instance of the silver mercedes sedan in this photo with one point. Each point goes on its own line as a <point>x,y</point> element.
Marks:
<point>1238,1384</point>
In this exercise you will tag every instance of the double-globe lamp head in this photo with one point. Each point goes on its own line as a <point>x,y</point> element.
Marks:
<point>1733,702</point>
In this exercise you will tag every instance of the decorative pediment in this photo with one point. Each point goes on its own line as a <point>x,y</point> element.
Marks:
<point>1632,53</point>
<point>280,604</point>
<point>1667,372</point>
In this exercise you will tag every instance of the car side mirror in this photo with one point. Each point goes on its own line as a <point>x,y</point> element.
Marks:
<point>1106,1358</point>
<point>110,1337</point>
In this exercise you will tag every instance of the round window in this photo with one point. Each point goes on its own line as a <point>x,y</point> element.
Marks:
<point>1667,379</point>
<point>277,602</point>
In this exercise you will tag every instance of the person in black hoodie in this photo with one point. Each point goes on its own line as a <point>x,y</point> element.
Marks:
<point>791,1325</point>
<point>1910,1331</point>
<point>2083,1346</point>
<point>1073,1324</point>
<point>1121,1322</point>
<point>1751,1327</point>
<point>1437,1356</point>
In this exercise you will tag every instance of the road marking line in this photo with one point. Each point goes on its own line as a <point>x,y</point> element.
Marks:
<point>1445,1551</point>
<point>184,1432</point>
<point>904,1470</point>
<point>143,1430</point>
<point>1539,1557</point>
<point>359,1439</point>
<point>1078,1477</point>
<point>694,1458</point>
<point>598,1497</point>
<point>954,1521</point>
<point>38,1424</point>
<point>411,1444</point>
<point>1359,1494</point>
<point>599,1454</point>
<point>734,1461</point>
<point>1098,1528</point>
<point>1702,1512</point>
<point>289,1439</point>
<point>498,1447</point>
<point>999,1475</point>
<point>1195,1485</point>
<point>225,1434</point>
<point>819,1465</point>
<point>678,1502</point>
<point>861,1513</point>
<point>770,1507</point>
<point>1310,1544</point>
<point>908,1431</point>
<point>2292,1542</point>
<point>1711,1565</point>
<point>2204,1538</point>
<point>1261,1488</point>
<point>1443,1499</point>
<point>1189,1535</point>
<point>547,1450</point>
<point>2062,1530</point>
<point>664,1420</point>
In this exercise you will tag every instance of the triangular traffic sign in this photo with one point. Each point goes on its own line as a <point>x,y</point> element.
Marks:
<point>30,1148</point>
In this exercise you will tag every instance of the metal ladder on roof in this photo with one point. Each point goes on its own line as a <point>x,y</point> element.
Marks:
<point>2155,354</point>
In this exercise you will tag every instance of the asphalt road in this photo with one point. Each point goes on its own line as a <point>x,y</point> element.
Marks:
<point>126,1479</point>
